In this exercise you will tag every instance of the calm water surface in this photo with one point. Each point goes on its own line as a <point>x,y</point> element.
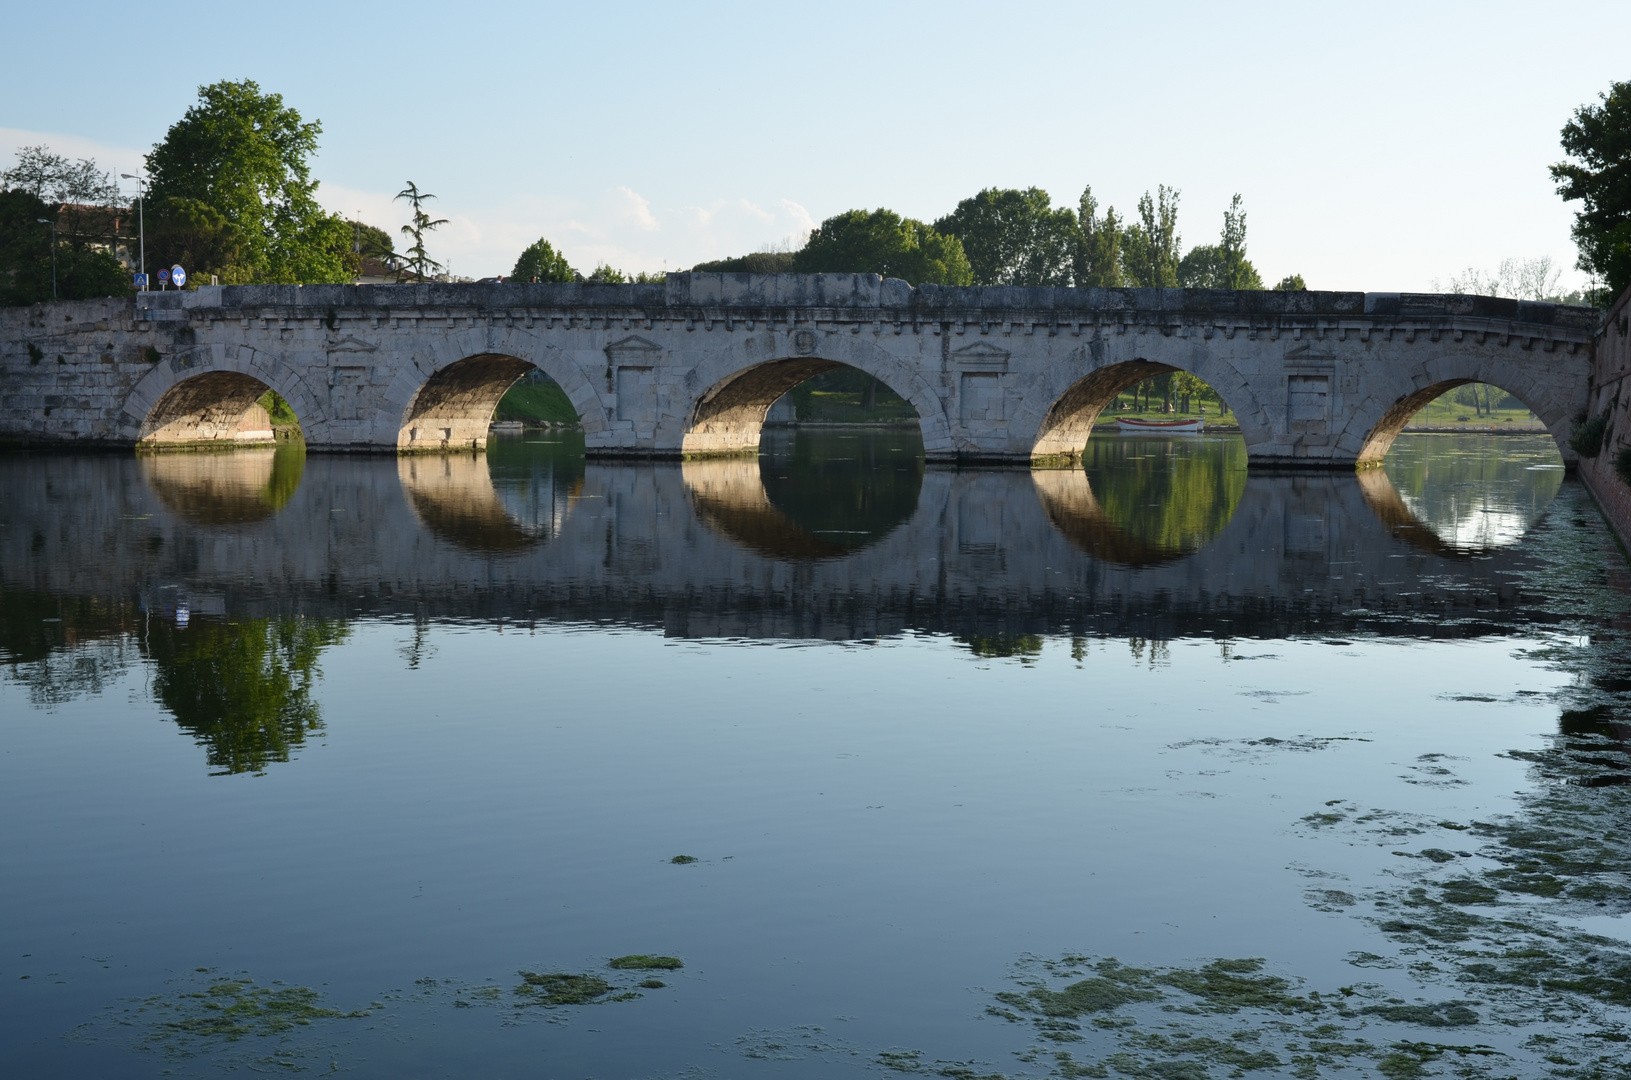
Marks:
<point>1153,767</point>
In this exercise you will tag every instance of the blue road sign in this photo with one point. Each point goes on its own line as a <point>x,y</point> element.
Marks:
<point>178,276</point>
<point>164,277</point>
<point>141,281</point>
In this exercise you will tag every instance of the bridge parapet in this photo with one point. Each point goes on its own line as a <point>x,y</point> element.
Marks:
<point>691,365</point>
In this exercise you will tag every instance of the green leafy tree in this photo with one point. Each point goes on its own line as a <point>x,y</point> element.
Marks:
<point>1598,140</point>
<point>606,274</point>
<point>1291,283</point>
<point>1222,265</point>
<point>1098,251</point>
<point>541,262</point>
<point>83,270</point>
<point>243,690</point>
<point>1014,237</point>
<point>1150,245</point>
<point>416,259</point>
<point>882,242</point>
<point>237,166</point>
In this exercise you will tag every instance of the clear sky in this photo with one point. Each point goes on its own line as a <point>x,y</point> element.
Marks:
<point>1377,146</point>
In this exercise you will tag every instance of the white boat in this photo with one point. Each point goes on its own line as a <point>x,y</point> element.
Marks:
<point>1192,426</point>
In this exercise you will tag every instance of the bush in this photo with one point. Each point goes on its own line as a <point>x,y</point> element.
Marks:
<point>1586,437</point>
<point>1622,464</point>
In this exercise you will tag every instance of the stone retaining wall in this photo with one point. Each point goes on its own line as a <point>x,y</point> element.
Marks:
<point>1610,392</point>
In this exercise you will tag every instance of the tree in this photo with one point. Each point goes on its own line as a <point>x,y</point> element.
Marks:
<point>759,262</point>
<point>1222,265</point>
<point>83,270</point>
<point>238,163</point>
<point>46,175</point>
<point>1598,140</point>
<point>1014,237</point>
<point>1098,250</point>
<point>882,242</point>
<point>1291,283</point>
<point>606,274</point>
<point>1150,245</point>
<point>417,259</point>
<point>541,262</point>
<point>1521,279</point>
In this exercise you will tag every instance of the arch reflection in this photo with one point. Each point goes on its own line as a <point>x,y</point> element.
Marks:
<point>233,488</point>
<point>1459,495</point>
<point>493,503</point>
<point>1145,501</point>
<point>811,494</point>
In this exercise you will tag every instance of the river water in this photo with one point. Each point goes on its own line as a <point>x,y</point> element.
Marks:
<point>824,764</point>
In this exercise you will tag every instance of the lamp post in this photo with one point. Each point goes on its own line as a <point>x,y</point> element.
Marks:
<point>53,224</point>
<point>141,224</point>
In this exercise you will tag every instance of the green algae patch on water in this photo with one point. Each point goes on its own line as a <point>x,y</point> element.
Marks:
<point>557,988</point>
<point>230,1022</point>
<point>643,962</point>
<point>683,860</point>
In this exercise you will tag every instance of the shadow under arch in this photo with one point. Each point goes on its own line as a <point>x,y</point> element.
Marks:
<point>1070,419</point>
<point>791,503</point>
<point>235,488</point>
<point>454,408</point>
<point>1117,511</point>
<point>454,496</point>
<point>730,415</point>
<point>213,408</point>
<point>1381,435</point>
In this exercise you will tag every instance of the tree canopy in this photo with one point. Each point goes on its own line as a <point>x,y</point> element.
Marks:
<point>1018,237</point>
<point>1222,265</point>
<point>83,270</point>
<point>882,242</point>
<point>541,262</point>
<point>1598,140</point>
<point>1014,237</point>
<point>231,192</point>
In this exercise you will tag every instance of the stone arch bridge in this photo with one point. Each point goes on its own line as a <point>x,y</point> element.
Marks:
<point>691,366</point>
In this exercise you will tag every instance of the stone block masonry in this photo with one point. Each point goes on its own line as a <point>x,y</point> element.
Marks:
<point>691,366</point>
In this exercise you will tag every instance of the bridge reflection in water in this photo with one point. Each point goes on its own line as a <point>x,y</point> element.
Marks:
<point>1147,540</point>
<point>228,574</point>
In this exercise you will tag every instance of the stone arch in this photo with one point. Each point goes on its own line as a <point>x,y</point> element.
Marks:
<point>1069,420</point>
<point>728,416</point>
<point>208,396</point>
<point>448,403</point>
<point>1380,431</point>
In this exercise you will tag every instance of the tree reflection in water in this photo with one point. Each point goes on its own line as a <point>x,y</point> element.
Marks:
<point>847,487</point>
<point>1470,493</point>
<point>812,494</point>
<point>1143,500</point>
<point>241,689</point>
<point>233,487</point>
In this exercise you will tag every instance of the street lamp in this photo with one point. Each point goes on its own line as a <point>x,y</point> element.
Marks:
<point>141,225</point>
<point>53,224</point>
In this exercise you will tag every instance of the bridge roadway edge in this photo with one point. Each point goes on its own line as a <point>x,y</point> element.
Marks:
<point>1310,374</point>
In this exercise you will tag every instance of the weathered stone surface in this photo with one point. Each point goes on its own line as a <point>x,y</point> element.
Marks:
<point>691,366</point>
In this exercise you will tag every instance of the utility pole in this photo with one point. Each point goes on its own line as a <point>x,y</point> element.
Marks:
<point>53,224</point>
<point>141,224</point>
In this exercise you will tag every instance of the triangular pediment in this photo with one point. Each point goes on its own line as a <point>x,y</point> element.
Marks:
<point>633,344</point>
<point>352,345</point>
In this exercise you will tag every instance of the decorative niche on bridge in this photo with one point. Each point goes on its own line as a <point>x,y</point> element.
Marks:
<point>1309,376</point>
<point>630,367</point>
<point>980,368</point>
